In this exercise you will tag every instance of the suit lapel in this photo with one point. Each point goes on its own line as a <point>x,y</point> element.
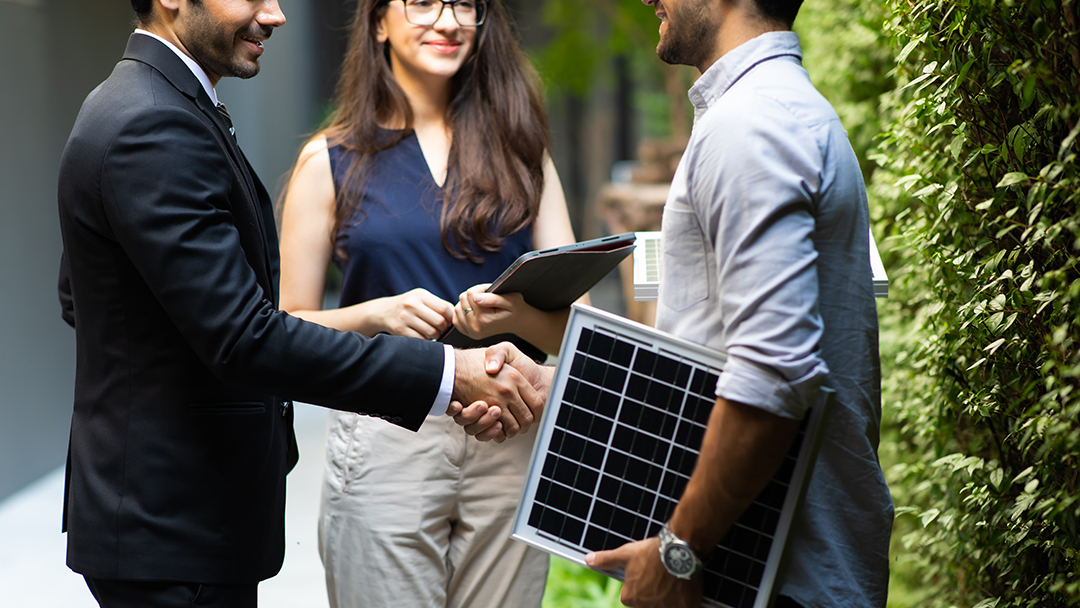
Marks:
<point>249,212</point>
<point>255,193</point>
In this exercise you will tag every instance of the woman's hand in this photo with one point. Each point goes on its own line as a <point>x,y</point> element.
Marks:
<point>479,314</point>
<point>416,313</point>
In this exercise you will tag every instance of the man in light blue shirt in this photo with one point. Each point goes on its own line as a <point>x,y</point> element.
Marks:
<point>765,237</point>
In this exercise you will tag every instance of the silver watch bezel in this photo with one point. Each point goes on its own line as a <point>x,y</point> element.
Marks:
<point>670,544</point>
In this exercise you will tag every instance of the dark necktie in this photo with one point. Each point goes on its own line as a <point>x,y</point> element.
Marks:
<point>228,119</point>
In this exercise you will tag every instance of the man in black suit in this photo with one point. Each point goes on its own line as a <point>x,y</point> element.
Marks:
<point>182,433</point>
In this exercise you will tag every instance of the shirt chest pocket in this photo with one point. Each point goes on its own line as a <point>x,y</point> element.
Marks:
<point>686,275</point>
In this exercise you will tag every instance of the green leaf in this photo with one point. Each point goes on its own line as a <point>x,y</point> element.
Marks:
<point>903,55</point>
<point>1035,213</point>
<point>957,145</point>
<point>996,344</point>
<point>916,81</point>
<point>1010,321</point>
<point>1028,94</point>
<point>997,476</point>
<point>928,517</point>
<point>1012,178</point>
<point>1019,139</point>
<point>1022,504</point>
<point>906,181</point>
<point>964,70</point>
<point>1023,474</point>
<point>926,191</point>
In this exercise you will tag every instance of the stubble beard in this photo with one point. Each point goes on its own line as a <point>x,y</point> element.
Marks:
<point>215,50</point>
<point>690,38</point>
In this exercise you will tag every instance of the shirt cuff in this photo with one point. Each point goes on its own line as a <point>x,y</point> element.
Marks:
<point>446,388</point>
<point>754,385</point>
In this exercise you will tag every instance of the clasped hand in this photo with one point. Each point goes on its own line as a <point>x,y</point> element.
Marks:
<point>506,391</point>
<point>479,314</point>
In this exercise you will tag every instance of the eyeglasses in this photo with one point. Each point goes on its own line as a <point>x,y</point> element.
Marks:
<point>468,13</point>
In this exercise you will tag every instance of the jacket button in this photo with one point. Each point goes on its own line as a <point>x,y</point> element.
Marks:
<point>285,407</point>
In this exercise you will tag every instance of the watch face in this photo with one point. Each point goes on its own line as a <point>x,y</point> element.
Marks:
<point>679,560</point>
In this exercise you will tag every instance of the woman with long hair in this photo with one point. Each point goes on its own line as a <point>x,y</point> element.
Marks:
<point>432,177</point>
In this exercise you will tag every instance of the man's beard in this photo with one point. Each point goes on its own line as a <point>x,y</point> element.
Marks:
<point>217,51</point>
<point>691,35</point>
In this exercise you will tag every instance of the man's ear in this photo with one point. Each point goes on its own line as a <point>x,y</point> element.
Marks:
<point>170,5</point>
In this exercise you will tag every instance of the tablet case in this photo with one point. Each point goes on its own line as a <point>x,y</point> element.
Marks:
<point>552,279</point>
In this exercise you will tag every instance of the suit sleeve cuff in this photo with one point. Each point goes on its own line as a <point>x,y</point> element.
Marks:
<point>446,388</point>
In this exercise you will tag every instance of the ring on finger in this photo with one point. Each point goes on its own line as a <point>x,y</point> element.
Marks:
<point>468,310</point>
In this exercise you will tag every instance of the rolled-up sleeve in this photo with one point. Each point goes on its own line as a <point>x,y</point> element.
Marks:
<point>751,187</point>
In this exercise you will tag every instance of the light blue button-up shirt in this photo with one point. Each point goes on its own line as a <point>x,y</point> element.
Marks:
<point>766,257</point>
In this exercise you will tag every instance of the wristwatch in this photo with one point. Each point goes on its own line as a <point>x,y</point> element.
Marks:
<point>678,557</point>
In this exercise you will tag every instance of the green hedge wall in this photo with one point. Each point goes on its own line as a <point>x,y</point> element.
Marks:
<point>979,190</point>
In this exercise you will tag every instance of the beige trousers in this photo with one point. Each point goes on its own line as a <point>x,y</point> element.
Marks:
<point>423,519</point>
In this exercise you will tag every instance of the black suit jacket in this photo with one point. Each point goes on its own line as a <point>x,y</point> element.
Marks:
<point>182,435</point>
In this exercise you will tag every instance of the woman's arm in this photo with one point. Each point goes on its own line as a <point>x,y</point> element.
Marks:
<point>494,314</point>
<point>307,220</point>
<point>552,227</point>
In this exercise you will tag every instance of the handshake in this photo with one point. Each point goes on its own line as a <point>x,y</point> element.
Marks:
<point>505,389</point>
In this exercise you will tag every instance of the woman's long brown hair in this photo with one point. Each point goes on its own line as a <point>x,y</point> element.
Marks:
<point>495,172</point>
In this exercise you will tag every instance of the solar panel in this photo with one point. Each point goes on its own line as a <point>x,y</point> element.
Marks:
<point>881,280</point>
<point>624,421</point>
<point>647,268</point>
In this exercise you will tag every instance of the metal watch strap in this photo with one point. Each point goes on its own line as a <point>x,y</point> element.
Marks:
<point>678,557</point>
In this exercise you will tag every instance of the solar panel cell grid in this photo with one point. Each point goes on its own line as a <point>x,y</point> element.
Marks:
<point>611,464</point>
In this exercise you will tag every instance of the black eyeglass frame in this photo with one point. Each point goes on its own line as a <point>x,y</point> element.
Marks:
<point>451,3</point>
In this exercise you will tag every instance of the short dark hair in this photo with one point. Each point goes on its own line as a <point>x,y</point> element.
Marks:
<point>780,10</point>
<point>142,8</point>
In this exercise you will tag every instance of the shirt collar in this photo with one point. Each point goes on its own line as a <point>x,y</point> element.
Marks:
<point>737,62</point>
<point>195,68</point>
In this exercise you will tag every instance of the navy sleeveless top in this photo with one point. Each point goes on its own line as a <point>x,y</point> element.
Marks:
<point>394,244</point>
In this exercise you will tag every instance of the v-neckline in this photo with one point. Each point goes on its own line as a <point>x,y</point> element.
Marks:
<point>431,175</point>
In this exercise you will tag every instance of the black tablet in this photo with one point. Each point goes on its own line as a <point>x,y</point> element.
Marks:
<point>552,279</point>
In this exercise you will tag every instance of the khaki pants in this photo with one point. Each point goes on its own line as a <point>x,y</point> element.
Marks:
<point>423,519</point>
